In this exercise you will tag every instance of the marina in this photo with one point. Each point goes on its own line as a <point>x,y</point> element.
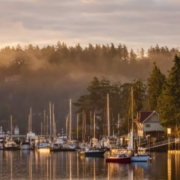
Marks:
<point>89,90</point>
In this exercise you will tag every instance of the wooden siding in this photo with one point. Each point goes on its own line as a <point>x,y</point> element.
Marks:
<point>154,124</point>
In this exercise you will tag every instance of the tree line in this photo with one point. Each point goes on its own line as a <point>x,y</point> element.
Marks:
<point>105,59</point>
<point>58,72</point>
<point>160,93</point>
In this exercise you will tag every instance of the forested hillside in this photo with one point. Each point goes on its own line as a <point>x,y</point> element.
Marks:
<point>32,76</point>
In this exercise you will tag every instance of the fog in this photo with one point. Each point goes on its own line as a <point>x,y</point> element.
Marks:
<point>57,73</point>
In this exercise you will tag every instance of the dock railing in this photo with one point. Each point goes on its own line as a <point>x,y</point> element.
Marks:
<point>162,143</point>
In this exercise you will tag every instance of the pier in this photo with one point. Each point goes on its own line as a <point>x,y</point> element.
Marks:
<point>171,145</point>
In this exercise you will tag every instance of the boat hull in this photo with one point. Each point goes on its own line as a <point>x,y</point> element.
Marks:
<point>119,160</point>
<point>11,148</point>
<point>26,147</point>
<point>140,158</point>
<point>94,154</point>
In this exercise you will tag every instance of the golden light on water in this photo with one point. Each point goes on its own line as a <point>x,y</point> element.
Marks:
<point>45,151</point>
<point>169,166</point>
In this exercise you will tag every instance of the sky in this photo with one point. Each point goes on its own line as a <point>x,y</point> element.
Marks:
<point>135,23</point>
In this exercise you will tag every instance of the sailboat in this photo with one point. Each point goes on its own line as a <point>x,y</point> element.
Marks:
<point>58,142</point>
<point>70,145</point>
<point>93,150</point>
<point>119,158</point>
<point>139,156</point>
<point>10,144</point>
<point>27,143</point>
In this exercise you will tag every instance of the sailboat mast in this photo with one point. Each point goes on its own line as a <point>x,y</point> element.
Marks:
<point>11,127</point>
<point>53,121</point>
<point>44,127</point>
<point>108,121</point>
<point>82,126</point>
<point>94,125</point>
<point>118,124</point>
<point>70,119</point>
<point>41,128</point>
<point>132,107</point>
<point>77,126</point>
<point>50,132</point>
<point>30,121</point>
<point>132,115</point>
<point>67,127</point>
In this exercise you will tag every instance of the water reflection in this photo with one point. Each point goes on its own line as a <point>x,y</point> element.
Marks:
<point>139,169</point>
<point>31,165</point>
<point>173,166</point>
<point>169,166</point>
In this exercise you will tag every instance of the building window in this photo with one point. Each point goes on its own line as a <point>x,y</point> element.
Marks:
<point>147,125</point>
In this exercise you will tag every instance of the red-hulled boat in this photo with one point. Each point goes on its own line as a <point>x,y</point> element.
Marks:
<point>119,158</point>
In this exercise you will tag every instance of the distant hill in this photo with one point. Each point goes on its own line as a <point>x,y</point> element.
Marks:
<point>33,76</point>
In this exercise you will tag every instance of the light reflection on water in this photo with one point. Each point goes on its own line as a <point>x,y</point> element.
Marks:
<point>32,165</point>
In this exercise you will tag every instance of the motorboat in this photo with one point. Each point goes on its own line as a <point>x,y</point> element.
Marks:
<point>92,152</point>
<point>42,145</point>
<point>1,146</point>
<point>56,147</point>
<point>10,145</point>
<point>69,147</point>
<point>82,147</point>
<point>119,158</point>
<point>57,144</point>
<point>141,156</point>
<point>26,145</point>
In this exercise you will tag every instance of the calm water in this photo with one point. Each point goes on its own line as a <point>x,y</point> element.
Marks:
<point>32,165</point>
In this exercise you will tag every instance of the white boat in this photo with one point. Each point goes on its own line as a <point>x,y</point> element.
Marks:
<point>10,145</point>
<point>3,137</point>
<point>140,158</point>
<point>93,149</point>
<point>140,155</point>
<point>59,142</point>
<point>26,145</point>
<point>83,146</point>
<point>29,142</point>
<point>1,146</point>
<point>42,143</point>
<point>69,146</point>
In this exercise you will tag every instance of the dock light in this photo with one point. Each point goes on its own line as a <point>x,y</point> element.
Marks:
<point>168,131</point>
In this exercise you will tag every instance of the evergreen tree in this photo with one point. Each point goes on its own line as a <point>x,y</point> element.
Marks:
<point>155,84</point>
<point>169,102</point>
<point>140,96</point>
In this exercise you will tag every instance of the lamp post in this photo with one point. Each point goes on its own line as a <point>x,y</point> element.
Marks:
<point>168,133</point>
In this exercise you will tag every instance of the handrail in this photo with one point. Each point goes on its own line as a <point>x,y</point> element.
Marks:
<point>160,143</point>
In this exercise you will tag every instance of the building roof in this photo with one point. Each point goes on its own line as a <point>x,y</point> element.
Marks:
<point>145,115</point>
